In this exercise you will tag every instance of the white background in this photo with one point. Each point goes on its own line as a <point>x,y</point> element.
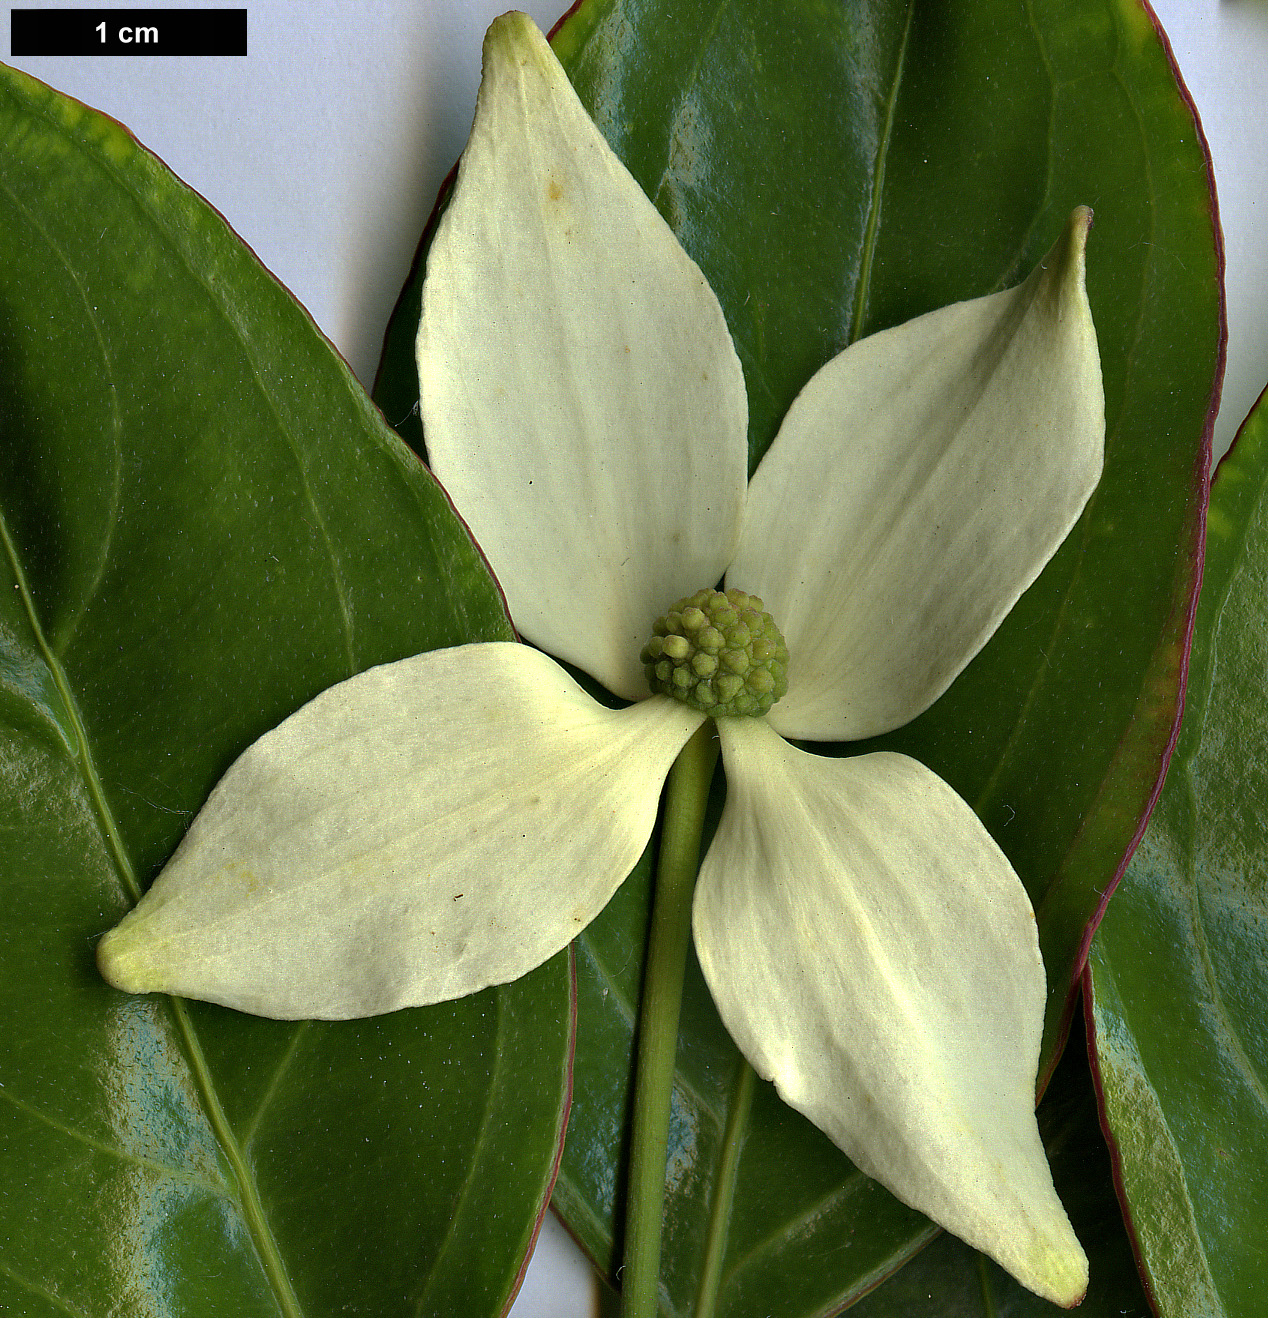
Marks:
<point>325,147</point>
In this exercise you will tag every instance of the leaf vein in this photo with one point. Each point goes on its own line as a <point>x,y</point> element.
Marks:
<point>161,228</point>
<point>1233,1039</point>
<point>1063,874</point>
<point>110,1150</point>
<point>270,1090</point>
<point>249,1200</point>
<point>71,623</point>
<point>989,1307</point>
<point>474,1165</point>
<point>87,767</point>
<point>252,1210</point>
<point>855,1184</point>
<point>688,84</point>
<point>872,230</point>
<point>1013,269</point>
<point>739,1107</point>
<point>43,1292</point>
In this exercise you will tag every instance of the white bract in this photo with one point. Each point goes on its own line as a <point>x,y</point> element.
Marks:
<point>448,822</point>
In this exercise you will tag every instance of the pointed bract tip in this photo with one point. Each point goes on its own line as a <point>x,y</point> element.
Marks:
<point>512,35</point>
<point>1060,279</point>
<point>1069,250</point>
<point>1063,1275</point>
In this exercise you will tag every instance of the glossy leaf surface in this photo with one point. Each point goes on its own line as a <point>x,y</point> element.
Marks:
<point>1179,968</point>
<point>834,171</point>
<point>204,522</point>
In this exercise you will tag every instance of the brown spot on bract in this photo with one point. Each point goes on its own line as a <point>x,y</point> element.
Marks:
<point>555,190</point>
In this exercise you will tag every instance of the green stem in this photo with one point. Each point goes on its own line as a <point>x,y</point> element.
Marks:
<point>685,800</point>
<point>724,1189</point>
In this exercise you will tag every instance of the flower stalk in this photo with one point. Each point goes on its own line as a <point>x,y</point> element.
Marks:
<point>686,797</point>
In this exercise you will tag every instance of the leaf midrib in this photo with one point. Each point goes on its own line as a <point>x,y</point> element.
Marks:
<point>87,767</point>
<point>248,1195</point>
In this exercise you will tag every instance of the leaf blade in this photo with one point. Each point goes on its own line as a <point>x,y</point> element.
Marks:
<point>184,565</point>
<point>1174,972</point>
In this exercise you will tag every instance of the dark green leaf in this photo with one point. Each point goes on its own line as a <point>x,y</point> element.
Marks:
<point>836,170</point>
<point>1179,966</point>
<point>203,523</point>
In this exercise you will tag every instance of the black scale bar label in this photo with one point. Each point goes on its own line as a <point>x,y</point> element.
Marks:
<point>128,31</point>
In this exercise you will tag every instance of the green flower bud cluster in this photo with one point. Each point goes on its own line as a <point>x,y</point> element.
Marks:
<point>719,653</point>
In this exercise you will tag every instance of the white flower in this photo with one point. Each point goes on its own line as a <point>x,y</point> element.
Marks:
<point>448,822</point>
